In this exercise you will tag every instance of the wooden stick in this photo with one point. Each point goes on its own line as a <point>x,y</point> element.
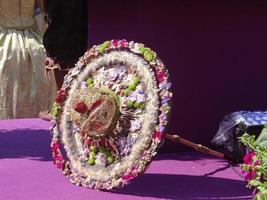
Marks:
<point>197,147</point>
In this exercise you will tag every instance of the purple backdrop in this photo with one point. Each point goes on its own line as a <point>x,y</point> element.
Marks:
<point>215,52</point>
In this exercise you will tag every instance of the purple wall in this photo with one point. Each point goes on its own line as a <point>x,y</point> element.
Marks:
<point>215,52</point>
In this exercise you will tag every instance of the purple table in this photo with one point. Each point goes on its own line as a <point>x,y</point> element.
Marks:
<point>27,172</point>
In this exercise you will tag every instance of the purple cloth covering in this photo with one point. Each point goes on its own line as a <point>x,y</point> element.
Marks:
<point>27,172</point>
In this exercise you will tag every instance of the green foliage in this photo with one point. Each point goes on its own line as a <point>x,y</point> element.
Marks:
<point>249,141</point>
<point>261,196</point>
<point>259,180</point>
<point>262,139</point>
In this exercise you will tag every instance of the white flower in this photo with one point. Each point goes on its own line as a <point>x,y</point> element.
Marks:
<point>111,75</point>
<point>135,125</point>
<point>74,71</point>
<point>136,47</point>
<point>120,70</point>
<point>128,79</point>
<point>100,159</point>
<point>137,95</point>
<point>140,98</point>
<point>139,89</point>
<point>83,85</point>
<point>79,65</point>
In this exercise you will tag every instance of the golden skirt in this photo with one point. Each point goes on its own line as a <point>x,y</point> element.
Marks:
<point>24,89</point>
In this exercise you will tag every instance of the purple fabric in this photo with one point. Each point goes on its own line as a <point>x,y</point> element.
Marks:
<point>27,172</point>
<point>215,52</point>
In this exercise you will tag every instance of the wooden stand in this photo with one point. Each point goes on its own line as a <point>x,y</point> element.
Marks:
<point>199,147</point>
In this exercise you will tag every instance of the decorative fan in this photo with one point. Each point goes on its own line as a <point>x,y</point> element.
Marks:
<point>110,115</point>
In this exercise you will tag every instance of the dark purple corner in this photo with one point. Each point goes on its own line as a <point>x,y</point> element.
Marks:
<point>215,52</point>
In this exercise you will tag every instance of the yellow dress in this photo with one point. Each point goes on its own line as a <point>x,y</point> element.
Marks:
<point>24,89</point>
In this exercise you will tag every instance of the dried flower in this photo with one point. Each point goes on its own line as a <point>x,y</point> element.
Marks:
<point>80,107</point>
<point>60,96</point>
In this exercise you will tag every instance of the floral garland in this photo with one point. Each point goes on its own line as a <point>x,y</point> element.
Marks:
<point>110,115</point>
<point>254,168</point>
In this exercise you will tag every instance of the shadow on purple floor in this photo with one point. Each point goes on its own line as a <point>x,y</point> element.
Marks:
<point>21,143</point>
<point>185,156</point>
<point>24,142</point>
<point>34,144</point>
<point>187,187</point>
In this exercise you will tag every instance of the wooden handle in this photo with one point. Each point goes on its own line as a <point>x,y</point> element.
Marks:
<point>197,147</point>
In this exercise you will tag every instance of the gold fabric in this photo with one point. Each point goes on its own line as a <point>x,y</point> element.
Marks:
<point>24,90</point>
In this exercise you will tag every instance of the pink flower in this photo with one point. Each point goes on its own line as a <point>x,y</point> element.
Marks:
<point>55,147</point>
<point>160,75</point>
<point>248,158</point>
<point>251,174</point>
<point>124,43</point>
<point>127,178</point>
<point>157,136</point>
<point>58,158</point>
<point>115,43</point>
<point>256,162</point>
<point>87,142</point>
<point>60,165</point>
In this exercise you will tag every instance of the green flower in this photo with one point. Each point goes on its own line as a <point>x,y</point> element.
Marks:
<point>90,81</point>
<point>93,148</point>
<point>126,92</point>
<point>142,50</point>
<point>136,80</point>
<point>110,159</point>
<point>132,86</point>
<point>149,55</point>
<point>136,104</point>
<point>55,109</point>
<point>141,106</point>
<point>103,47</point>
<point>130,104</point>
<point>92,154</point>
<point>90,85</point>
<point>91,161</point>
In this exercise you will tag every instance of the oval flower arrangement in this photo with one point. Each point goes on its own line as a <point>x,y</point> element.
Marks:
<point>110,115</point>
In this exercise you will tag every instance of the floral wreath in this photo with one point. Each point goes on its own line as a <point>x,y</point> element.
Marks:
<point>110,115</point>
